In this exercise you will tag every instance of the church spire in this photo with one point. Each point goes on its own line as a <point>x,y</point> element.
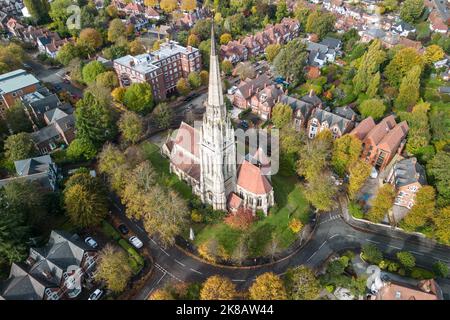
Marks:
<point>215,93</point>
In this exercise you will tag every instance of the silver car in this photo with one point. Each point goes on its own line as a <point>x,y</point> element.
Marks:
<point>136,242</point>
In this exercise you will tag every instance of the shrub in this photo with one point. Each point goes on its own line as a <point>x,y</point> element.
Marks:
<point>110,231</point>
<point>383,264</point>
<point>372,254</point>
<point>355,210</point>
<point>241,220</point>
<point>393,266</point>
<point>440,269</point>
<point>329,288</point>
<point>295,225</point>
<point>421,274</point>
<point>406,259</point>
<point>196,216</point>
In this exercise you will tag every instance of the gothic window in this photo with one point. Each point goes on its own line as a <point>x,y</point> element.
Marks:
<point>259,203</point>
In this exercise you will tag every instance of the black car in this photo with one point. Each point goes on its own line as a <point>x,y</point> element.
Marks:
<point>123,229</point>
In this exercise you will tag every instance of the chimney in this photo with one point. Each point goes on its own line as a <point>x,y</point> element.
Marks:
<point>189,48</point>
<point>311,93</point>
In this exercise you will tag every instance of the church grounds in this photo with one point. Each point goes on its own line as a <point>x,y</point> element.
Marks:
<point>290,203</point>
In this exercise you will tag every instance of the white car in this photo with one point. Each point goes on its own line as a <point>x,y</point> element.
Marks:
<point>96,295</point>
<point>136,242</point>
<point>91,242</point>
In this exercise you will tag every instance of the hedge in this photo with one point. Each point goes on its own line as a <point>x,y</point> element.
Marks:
<point>131,251</point>
<point>110,231</point>
<point>421,274</point>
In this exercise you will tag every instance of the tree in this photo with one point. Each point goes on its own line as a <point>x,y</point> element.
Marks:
<point>75,68</point>
<point>371,253</point>
<point>225,38</point>
<point>163,115</point>
<point>346,151</point>
<point>204,76</point>
<point>67,53</point>
<point>406,259</point>
<point>411,10</point>
<point>272,50</point>
<point>116,30</point>
<point>282,11</point>
<point>403,62</point>
<point>81,149</point>
<point>19,146</point>
<point>382,203</point>
<point>320,192</point>
<point>314,156</point>
<point>267,286</point>
<point>85,200</point>
<point>188,5</point>
<point>320,23</point>
<point>245,70</point>
<point>227,67</point>
<point>439,170</point>
<point>193,40</point>
<point>11,57</point>
<point>136,47</point>
<point>139,98</point>
<point>90,39</point>
<point>194,80</point>
<point>17,119</point>
<point>240,253</point>
<point>422,211</point>
<point>92,70</point>
<point>131,127</point>
<point>281,115</point>
<point>113,163</point>
<point>168,5</point>
<point>118,94</point>
<point>218,288</point>
<point>440,269</point>
<point>374,84</point>
<point>374,108</point>
<point>409,89</point>
<point>183,87</point>
<point>295,225</point>
<point>205,48</point>
<point>433,53</point>
<point>302,284</point>
<point>359,172</point>
<point>38,9</point>
<point>108,80</point>
<point>290,62</point>
<point>390,5</point>
<point>442,223</point>
<point>95,121</point>
<point>151,3</point>
<point>58,11</point>
<point>113,268</point>
<point>419,134</point>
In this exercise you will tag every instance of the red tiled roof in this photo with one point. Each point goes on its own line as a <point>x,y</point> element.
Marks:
<point>251,179</point>
<point>188,139</point>
<point>363,128</point>
<point>381,129</point>
<point>392,140</point>
<point>234,201</point>
<point>394,291</point>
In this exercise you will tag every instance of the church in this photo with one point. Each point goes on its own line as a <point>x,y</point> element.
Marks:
<point>206,157</point>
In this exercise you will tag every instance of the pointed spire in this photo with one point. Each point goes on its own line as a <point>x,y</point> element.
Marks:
<point>215,94</point>
<point>213,40</point>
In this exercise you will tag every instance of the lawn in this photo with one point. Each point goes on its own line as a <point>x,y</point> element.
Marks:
<point>290,203</point>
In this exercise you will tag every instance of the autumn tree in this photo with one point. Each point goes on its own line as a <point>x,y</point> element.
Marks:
<point>442,223</point>
<point>116,30</point>
<point>108,80</point>
<point>163,115</point>
<point>302,284</point>
<point>439,170</point>
<point>320,23</point>
<point>346,151</point>
<point>374,85</point>
<point>67,53</point>
<point>168,5</point>
<point>272,50</point>
<point>245,70</point>
<point>226,67</point>
<point>433,53</point>
<point>131,127</point>
<point>320,191</point>
<point>290,61</point>
<point>406,259</point>
<point>419,134</point>
<point>81,149</point>
<point>218,288</point>
<point>85,200</point>
<point>183,87</point>
<point>267,286</point>
<point>225,38</point>
<point>188,5</point>
<point>409,89</point>
<point>374,108</point>
<point>411,10</point>
<point>139,98</point>
<point>281,115</point>
<point>382,203</point>
<point>113,268</point>
<point>359,172</point>
<point>194,80</point>
<point>113,163</point>
<point>193,40</point>
<point>90,39</point>
<point>151,3</point>
<point>422,211</point>
<point>403,62</point>
<point>136,47</point>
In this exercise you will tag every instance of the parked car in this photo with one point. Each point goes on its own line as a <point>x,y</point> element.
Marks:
<point>136,242</point>
<point>96,295</point>
<point>123,229</point>
<point>91,242</point>
<point>57,87</point>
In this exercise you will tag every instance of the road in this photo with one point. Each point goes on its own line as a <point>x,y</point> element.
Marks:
<point>332,235</point>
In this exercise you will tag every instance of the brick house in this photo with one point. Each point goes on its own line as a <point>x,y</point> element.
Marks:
<point>162,68</point>
<point>324,120</point>
<point>264,100</point>
<point>301,111</point>
<point>381,141</point>
<point>247,89</point>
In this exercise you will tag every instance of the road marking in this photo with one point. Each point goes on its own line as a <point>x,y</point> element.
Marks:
<point>117,207</point>
<point>181,264</point>
<point>311,256</point>
<point>165,273</point>
<point>389,245</point>
<point>419,253</point>
<point>372,241</point>
<point>196,271</point>
<point>140,228</point>
<point>439,259</point>
<point>164,252</point>
<point>152,240</point>
<point>238,280</point>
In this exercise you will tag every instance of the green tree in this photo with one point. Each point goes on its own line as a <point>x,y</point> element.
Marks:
<point>442,224</point>
<point>440,269</point>
<point>411,10</point>
<point>346,151</point>
<point>116,30</point>
<point>374,85</point>
<point>92,70</point>
<point>419,129</point>
<point>374,108</point>
<point>359,172</point>
<point>409,89</point>
<point>194,80</point>
<point>17,119</point>
<point>302,284</point>
<point>19,146</point>
<point>390,5</point>
<point>136,47</point>
<point>272,50</point>
<point>90,39</point>
<point>67,53</point>
<point>282,10</point>
<point>371,253</point>
<point>422,211</point>
<point>281,115</point>
<point>368,67</point>
<point>406,259</point>
<point>113,268</point>
<point>382,203</point>
<point>163,115</point>
<point>226,67</point>
<point>81,149</point>
<point>320,23</point>
<point>403,62</point>
<point>290,62</point>
<point>439,170</point>
<point>38,9</point>
<point>320,192</point>
<point>139,98</point>
<point>108,80</point>
<point>131,127</point>
<point>183,87</point>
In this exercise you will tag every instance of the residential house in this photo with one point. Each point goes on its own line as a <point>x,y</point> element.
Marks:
<point>41,169</point>
<point>301,111</point>
<point>381,141</point>
<point>161,68</point>
<point>402,28</point>
<point>234,52</point>
<point>51,272</point>
<point>425,290</point>
<point>134,8</point>
<point>325,120</point>
<point>264,100</point>
<point>321,53</point>
<point>437,23</point>
<point>50,43</point>
<point>247,89</point>
<point>346,112</point>
<point>14,85</point>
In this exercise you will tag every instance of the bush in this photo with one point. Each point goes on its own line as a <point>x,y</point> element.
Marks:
<point>131,251</point>
<point>244,113</point>
<point>406,259</point>
<point>393,266</point>
<point>329,288</point>
<point>134,265</point>
<point>372,254</point>
<point>196,216</point>
<point>421,274</point>
<point>355,210</point>
<point>110,231</point>
<point>383,264</point>
<point>440,269</point>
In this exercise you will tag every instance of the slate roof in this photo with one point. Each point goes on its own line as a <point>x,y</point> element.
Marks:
<point>408,171</point>
<point>21,286</point>
<point>297,105</point>
<point>33,165</point>
<point>331,43</point>
<point>331,119</point>
<point>345,112</point>
<point>248,87</point>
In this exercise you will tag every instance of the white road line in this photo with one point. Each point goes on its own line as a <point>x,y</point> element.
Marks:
<point>140,228</point>
<point>390,245</point>
<point>238,280</point>
<point>311,256</point>
<point>436,258</point>
<point>181,264</point>
<point>419,253</point>
<point>322,245</point>
<point>161,278</point>
<point>196,271</point>
<point>333,236</point>
<point>372,241</point>
<point>152,240</point>
<point>164,252</point>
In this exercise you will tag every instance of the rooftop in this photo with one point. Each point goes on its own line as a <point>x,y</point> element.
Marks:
<point>16,80</point>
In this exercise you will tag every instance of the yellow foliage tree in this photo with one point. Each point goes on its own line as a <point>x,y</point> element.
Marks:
<point>218,288</point>
<point>267,286</point>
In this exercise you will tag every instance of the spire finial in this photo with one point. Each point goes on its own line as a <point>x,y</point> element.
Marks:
<point>213,39</point>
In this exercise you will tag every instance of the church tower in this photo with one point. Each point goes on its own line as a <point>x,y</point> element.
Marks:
<point>217,144</point>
